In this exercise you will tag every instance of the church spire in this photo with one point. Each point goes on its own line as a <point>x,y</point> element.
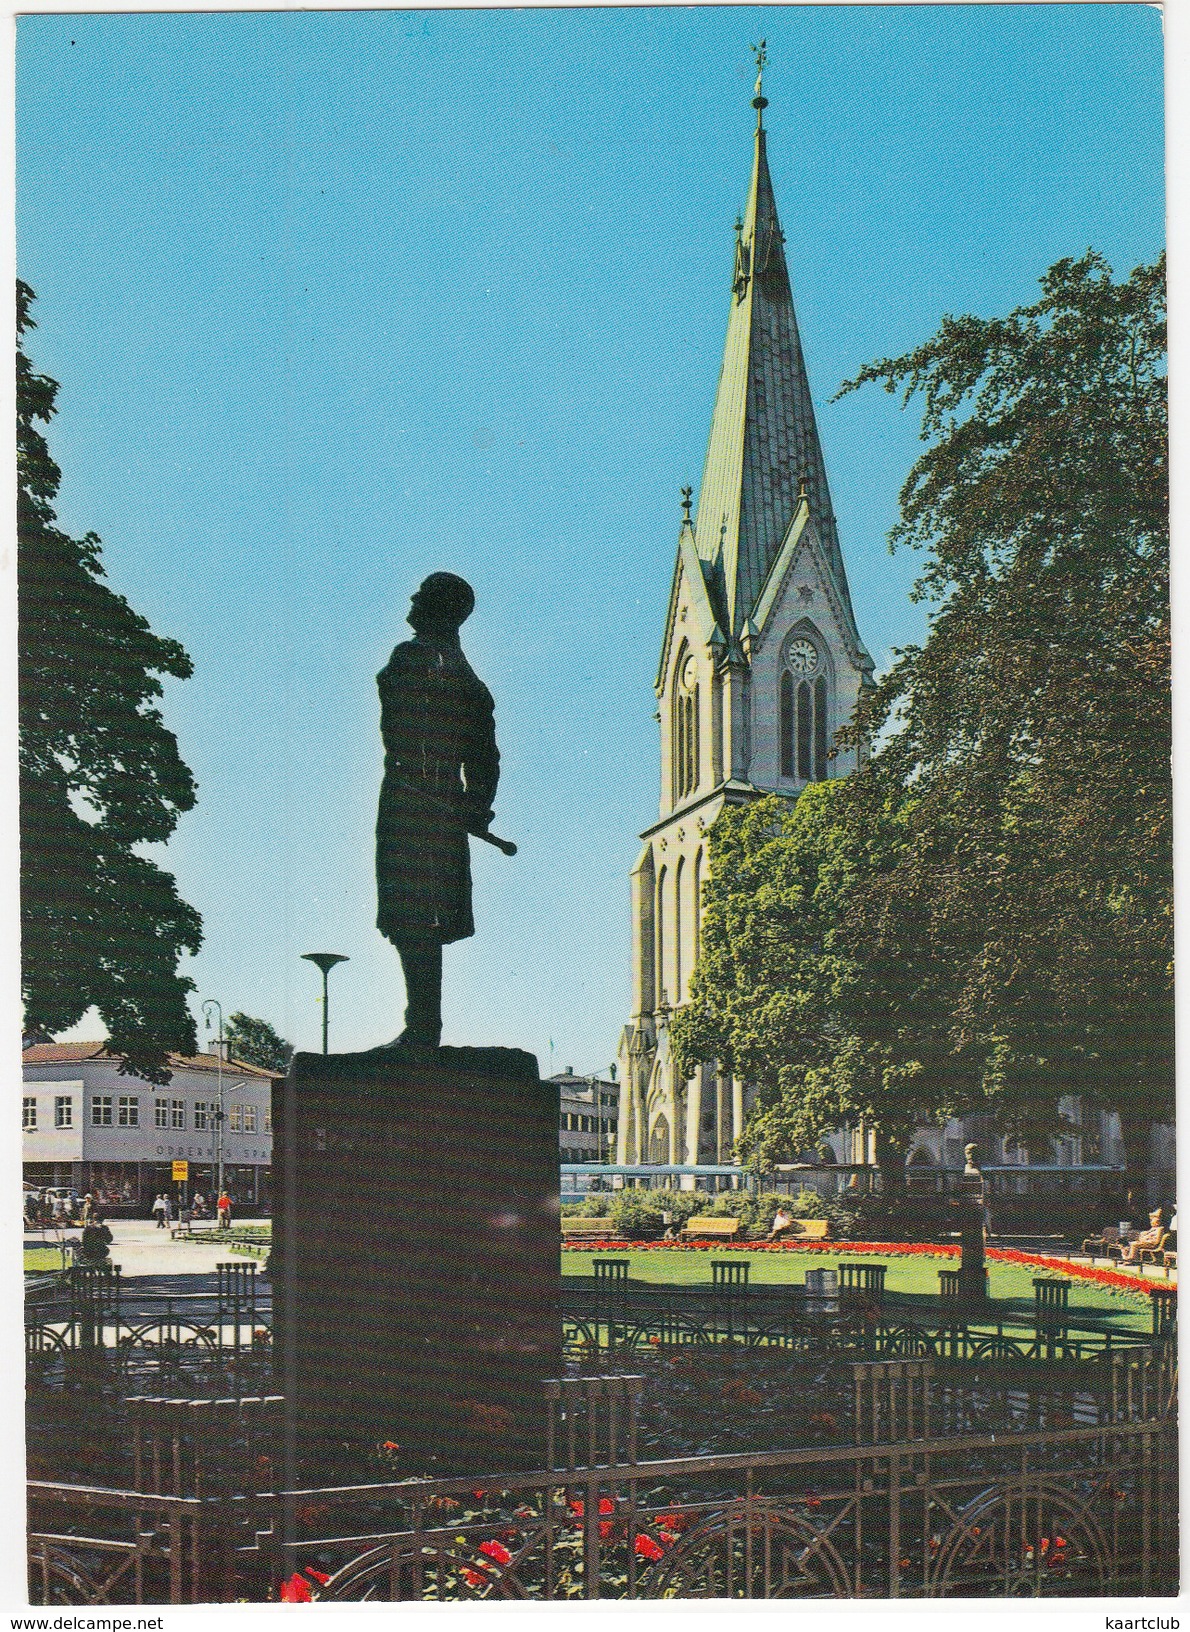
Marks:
<point>764,438</point>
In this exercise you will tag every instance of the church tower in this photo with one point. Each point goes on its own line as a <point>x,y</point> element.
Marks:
<point>761,663</point>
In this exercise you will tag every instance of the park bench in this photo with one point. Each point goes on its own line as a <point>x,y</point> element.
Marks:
<point>715,1229</point>
<point>807,1229</point>
<point>589,1229</point>
<point>1165,1252</point>
<point>1097,1245</point>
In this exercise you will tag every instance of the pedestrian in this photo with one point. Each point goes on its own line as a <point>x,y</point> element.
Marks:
<point>159,1209</point>
<point>223,1208</point>
<point>88,1209</point>
<point>199,1204</point>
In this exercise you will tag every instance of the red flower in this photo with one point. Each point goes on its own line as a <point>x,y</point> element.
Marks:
<point>390,1445</point>
<point>296,1590</point>
<point>675,1523</point>
<point>317,1575</point>
<point>605,1530</point>
<point>496,1550</point>
<point>606,1505</point>
<point>474,1579</point>
<point>646,1547</point>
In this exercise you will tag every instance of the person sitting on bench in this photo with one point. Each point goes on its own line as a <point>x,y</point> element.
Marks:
<point>1149,1238</point>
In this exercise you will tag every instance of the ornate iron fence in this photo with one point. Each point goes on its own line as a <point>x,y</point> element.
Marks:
<point>910,1510</point>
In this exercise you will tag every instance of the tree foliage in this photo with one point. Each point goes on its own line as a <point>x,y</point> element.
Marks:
<point>255,1042</point>
<point>100,775</point>
<point>982,916</point>
<point>829,1029</point>
<point>1033,725</point>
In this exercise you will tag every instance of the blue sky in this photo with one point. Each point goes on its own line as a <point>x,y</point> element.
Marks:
<point>338,299</point>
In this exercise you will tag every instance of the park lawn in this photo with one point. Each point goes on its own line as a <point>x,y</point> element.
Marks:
<point>42,1258</point>
<point>913,1278</point>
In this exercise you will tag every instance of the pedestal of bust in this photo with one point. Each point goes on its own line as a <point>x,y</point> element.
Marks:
<point>416,1275</point>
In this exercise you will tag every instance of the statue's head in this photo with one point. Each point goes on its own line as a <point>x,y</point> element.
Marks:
<point>444,601</point>
<point>971,1152</point>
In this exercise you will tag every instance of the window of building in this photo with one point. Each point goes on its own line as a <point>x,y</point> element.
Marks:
<point>28,1112</point>
<point>63,1111</point>
<point>235,1118</point>
<point>200,1115</point>
<point>128,1111</point>
<point>684,725</point>
<point>268,1118</point>
<point>249,1118</point>
<point>161,1113</point>
<point>803,712</point>
<point>177,1113</point>
<point>101,1111</point>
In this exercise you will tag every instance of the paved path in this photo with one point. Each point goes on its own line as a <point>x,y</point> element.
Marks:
<point>141,1249</point>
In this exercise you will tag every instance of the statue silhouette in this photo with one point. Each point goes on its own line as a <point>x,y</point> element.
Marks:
<point>441,768</point>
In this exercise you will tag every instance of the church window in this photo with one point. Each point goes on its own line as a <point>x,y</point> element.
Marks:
<point>803,730</point>
<point>803,711</point>
<point>819,729</point>
<point>786,723</point>
<point>679,882</point>
<point>697,921</point>
<point>661,936</point>
<point>684,725</point>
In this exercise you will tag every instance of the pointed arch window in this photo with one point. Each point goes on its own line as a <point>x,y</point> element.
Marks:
<point>679,885</point>
<point>804,715</point>
<point>660,915</point>
<point>697,919</point>
<point>787,760</point>
<point>804,710</point>
<point>819,729</point>
<point>684,725</point>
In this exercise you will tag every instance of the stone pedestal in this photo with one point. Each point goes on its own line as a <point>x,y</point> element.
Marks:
<point>416,1275</point>
<point>973,1277</point>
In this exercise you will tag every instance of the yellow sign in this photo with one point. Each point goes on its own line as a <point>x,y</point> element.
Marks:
<point>181,1172</point>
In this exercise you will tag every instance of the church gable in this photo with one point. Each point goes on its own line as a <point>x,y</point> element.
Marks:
<point>806,669</point>
<point>690,614</point>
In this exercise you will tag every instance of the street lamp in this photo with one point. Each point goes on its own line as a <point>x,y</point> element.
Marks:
<point>214,1003</point>
<point>326,961</point>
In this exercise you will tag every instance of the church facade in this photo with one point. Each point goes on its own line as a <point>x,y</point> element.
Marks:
<point>761,663</point>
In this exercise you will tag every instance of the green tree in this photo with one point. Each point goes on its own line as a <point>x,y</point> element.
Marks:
<point>1033,724</point>
<point>829,1028</point>
<point>100,776</point>
<point>255,1042</point>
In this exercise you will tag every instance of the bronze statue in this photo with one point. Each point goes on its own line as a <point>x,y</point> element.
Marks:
<point>441,768</point>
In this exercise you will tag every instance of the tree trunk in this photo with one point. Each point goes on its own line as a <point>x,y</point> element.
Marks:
<point>890,1158</point>
<point>1136,1132</point>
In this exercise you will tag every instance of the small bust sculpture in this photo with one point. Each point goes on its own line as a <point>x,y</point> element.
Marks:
<point>972,1169</point>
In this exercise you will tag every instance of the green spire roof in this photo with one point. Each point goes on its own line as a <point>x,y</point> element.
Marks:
<point>763,434</point>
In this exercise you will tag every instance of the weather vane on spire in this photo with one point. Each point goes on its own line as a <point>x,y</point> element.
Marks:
<point>760,52</point>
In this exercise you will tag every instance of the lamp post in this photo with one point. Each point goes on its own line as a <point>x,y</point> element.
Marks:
<point>214,1003</point>
<point>326,961</point>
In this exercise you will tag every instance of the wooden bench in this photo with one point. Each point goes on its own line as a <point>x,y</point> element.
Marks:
<point>589,1229</point>
<point>714,1229</point>
<point>807,1229</point>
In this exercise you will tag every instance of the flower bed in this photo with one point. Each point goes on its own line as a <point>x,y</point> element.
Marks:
<point>1110,1279</point>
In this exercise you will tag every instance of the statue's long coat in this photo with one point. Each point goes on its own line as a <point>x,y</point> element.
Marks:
<point>436,719</point>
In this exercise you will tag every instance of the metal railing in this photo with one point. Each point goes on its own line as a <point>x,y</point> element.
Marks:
<point>910,1510</point>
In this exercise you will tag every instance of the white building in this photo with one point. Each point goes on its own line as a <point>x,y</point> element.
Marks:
<point>86,1125</point>
<point>588,1116</point>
